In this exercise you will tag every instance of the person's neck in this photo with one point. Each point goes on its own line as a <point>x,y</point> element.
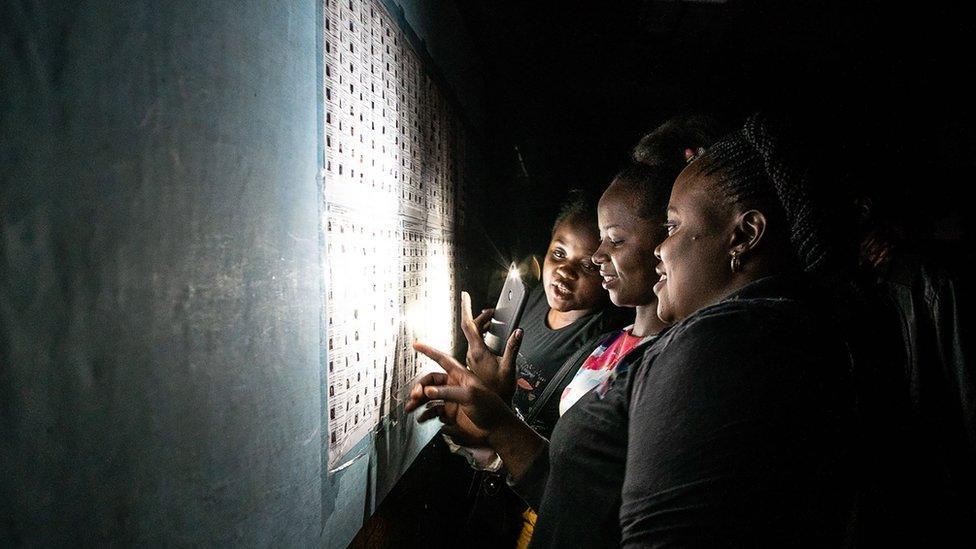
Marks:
<point>646,321</point>
<point>561,319</point>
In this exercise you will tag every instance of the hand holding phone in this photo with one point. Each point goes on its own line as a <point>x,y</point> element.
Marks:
<point>498,373</point>
<point>508,311</point>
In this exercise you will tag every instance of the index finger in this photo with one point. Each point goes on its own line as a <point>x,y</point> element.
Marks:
<point>445,360</point>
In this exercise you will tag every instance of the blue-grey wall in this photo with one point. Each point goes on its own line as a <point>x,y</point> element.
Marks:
<point>159,278</point>
<point>159,274</point>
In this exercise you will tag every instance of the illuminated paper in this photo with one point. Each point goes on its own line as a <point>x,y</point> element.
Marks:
<point>389,208</point>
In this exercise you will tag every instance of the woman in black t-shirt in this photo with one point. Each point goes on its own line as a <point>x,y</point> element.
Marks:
<point>565,310</point>
<point>568,309</point>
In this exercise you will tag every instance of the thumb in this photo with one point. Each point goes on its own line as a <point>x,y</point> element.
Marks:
<point>466,315</point>
<point>448,393</point>
<point>511,349</point>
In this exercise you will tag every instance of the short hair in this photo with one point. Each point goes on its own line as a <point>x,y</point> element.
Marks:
<point>578,207</point>
<point>652,183</point>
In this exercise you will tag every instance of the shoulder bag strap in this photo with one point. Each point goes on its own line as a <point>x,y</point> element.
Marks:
<point>571,365</point>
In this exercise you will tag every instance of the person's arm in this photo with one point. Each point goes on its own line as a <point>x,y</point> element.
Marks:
<point>530,484</point>
<point>518,445</point>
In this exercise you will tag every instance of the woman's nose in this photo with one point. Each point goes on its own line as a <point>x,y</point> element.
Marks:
<point>599,257</point>
<point>565,272</point>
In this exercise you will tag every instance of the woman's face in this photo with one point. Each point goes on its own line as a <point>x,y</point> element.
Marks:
<point>626,253</point>
<point>570,279</point>
<point>695,256</point>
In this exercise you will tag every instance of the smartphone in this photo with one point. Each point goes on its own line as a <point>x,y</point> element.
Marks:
<point>508,311</point>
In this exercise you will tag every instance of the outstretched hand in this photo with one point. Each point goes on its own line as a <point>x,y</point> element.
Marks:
<point>470,410</point>
<point>497,374</point>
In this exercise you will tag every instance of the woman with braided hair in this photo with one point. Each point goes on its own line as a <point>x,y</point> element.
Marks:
<point>740,417</point>
<point>731,429</point>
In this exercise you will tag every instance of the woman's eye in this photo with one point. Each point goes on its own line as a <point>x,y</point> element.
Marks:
<point>590,267</point>
<point>558,254</point>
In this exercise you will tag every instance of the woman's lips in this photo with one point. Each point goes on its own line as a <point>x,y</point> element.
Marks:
<point>660,283</point>
<point>562,290</point>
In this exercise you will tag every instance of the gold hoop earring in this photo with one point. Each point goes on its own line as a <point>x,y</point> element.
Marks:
<point>736,266</point>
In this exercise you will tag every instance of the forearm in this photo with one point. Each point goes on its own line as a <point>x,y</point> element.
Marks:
<point>517,444</point>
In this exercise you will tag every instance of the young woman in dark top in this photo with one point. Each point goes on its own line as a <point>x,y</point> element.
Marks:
<point>562,313</point>
<point>732,428</point>
<point>567,309</point>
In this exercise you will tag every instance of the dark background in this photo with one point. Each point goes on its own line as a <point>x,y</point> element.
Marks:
<point>881,92</point>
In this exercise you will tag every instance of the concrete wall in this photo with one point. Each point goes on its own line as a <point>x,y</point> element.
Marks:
<point>159,279</point>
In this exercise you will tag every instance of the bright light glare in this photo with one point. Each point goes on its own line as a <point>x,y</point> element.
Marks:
<point>391,194</point>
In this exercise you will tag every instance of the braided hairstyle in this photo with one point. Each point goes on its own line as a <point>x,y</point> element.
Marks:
<point>755,169</point>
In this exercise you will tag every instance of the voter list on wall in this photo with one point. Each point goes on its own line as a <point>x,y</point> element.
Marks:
<point>390,181</point>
